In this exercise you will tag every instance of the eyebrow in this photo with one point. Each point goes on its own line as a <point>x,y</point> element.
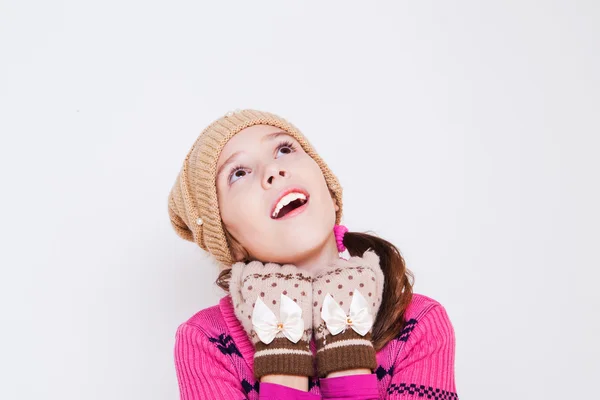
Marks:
<point>231,158</point>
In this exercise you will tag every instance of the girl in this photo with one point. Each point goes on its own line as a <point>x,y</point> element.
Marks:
<point>298,321</point>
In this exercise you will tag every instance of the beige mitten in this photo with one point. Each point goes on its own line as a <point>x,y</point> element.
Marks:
<point>274,305</point>
<point>347,296</point>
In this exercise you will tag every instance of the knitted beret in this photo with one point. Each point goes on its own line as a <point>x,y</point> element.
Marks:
<point>193,205</point>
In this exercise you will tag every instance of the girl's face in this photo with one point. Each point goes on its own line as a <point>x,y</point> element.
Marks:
<point>258,166</point>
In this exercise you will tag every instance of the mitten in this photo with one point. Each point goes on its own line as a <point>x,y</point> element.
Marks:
<point>273,302</point>
<point>346,298</point>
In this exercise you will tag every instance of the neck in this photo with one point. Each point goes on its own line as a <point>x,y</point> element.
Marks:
<point>319,257</point>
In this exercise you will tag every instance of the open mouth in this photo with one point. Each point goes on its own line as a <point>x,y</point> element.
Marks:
<point>289,205</point>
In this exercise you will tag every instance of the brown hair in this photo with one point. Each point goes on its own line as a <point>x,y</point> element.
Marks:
<point>397,290</point>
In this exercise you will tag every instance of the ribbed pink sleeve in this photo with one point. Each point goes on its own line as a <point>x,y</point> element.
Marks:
<point>203,372</point>
<point>428,370</point>
<point>355,387</point>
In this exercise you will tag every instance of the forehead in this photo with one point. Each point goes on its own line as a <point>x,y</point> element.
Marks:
<point>246,138</point>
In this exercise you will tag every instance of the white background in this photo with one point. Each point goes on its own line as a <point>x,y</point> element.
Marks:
<point>466,133</point>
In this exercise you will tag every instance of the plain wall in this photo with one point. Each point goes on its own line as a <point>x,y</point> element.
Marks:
<point>465,132</point>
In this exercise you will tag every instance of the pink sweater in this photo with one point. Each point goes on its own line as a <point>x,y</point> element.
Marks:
<point>214,360</point>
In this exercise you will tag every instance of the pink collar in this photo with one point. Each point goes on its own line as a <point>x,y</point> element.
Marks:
<point>239,336</point>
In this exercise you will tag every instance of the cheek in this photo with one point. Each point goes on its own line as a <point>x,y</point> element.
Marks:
<point>326,201</point>
<point>242,214</point>
<point>227,209</point>
<point>317,178</point>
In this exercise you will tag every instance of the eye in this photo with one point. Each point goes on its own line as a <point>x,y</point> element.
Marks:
<point>286,144</point>
<point>237,171</point>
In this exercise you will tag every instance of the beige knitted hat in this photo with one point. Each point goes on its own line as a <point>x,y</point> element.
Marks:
<point>193,204</point>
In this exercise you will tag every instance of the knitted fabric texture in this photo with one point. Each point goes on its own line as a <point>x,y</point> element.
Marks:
<point>347,349</point>
<point>214,359</point>
<point>193,204</point>
<point>267,282</point>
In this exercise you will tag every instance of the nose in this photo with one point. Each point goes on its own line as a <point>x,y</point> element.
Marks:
<point>272,172</point>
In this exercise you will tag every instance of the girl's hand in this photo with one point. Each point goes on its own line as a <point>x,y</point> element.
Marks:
<point>346,297</point>
<point>274,305</point>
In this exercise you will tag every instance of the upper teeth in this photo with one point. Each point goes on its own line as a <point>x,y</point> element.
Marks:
<point>287,199</point>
